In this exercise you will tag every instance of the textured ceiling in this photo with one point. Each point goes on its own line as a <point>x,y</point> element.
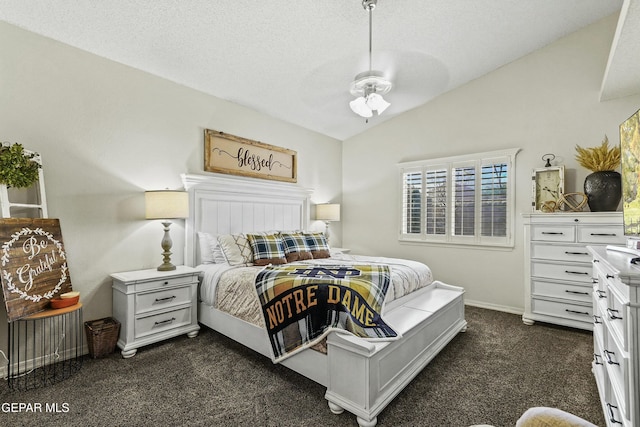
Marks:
<point>295,60</point>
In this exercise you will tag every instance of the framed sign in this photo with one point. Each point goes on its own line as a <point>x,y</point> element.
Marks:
<point>33,265</point>
<point>234,155</point>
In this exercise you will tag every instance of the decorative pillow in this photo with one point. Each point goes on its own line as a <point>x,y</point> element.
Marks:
<point>317,243</point>
<point>236,249</point>
<point>206,253</point>
<point>267,249</point>
<point>295,247</point>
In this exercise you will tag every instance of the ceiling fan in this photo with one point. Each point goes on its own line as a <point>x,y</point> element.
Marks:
<point>369,86</point>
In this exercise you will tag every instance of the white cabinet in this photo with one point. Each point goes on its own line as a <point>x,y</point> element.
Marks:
<point>154,305</point>
<point>558,271</point>
<point>616,362</point>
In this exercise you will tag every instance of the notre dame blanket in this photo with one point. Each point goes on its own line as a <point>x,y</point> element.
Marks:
<point>303,303</point>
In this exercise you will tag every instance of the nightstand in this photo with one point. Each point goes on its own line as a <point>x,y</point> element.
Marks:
<point>154,305</point>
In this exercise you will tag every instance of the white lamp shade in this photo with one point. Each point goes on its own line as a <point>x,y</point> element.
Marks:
<point>377,102</point>
<point>166,204</point>
<point>360,107</point>
<point>328,212</point>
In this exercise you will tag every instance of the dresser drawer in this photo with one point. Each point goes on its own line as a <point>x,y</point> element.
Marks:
<point>603,234</point>
<point>156,323</point>
<point>553,233</point>
<point>562,290</point>
<point>560,252</point>
<point>150,301</point>
<point>617,364</point>
<point>599,370</point>
<point>616,313</point>
<point>577,312</point>
<point>575,273</point>
<point>153,285</point>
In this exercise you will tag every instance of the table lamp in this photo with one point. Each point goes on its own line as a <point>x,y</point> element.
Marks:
<point>166,205</point>
<point>328,212</point>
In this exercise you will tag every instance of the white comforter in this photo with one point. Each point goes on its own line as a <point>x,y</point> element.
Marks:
<point>232,289</point>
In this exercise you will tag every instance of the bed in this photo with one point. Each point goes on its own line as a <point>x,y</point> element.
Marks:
<point>361,376</point>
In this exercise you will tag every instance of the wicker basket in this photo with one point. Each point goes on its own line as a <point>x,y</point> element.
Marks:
<point>102,336</point>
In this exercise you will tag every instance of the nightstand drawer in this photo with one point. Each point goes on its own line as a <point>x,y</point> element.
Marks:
<point>617,317</point>
<point>553,233</point>
<point>574,273</point>
<point>161,322</point>
<point>617,365</point>
<point>560,252</point>
<point>163,283</point>
<point>150,301</point>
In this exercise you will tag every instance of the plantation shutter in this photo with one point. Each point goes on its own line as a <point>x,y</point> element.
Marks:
<point>464,200</point>
<point>412,202</point>
<point>436,201</point>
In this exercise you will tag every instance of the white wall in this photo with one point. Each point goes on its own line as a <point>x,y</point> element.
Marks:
<point>546,102</point>
<point>107,133</point>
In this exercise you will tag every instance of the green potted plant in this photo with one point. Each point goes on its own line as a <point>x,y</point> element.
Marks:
<point>603,186</point>
<point>17,168</point>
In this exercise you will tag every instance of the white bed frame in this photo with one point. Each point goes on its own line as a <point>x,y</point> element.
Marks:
<point>361,376</point>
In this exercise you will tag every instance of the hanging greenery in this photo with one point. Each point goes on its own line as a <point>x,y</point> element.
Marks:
<point>17,168</point>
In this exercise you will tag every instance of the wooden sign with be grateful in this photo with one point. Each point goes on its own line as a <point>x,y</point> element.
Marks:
<point>33,265</point>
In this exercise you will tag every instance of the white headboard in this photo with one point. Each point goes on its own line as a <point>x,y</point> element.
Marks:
<point>229,205</point>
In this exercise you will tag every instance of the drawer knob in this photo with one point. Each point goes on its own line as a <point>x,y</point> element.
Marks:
<point>576,292</point>
<point>576,312</point>
<point>612,314</point>
<point>576,272</point>
<point>164,322</point>
<point>612,417</point>
<point>596,359</point>
<point>607,355</point>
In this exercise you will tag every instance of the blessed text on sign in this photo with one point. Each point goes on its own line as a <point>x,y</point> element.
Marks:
<point>33,265</point>
<point>234,155</point>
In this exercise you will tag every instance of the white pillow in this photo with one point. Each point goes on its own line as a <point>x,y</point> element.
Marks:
<point>205,241</point>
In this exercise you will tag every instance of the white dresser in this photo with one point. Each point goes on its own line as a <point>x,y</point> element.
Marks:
<point>558,270</point>
<point>154,305</point>
<point>616,335</point>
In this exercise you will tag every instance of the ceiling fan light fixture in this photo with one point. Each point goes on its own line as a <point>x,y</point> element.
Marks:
<point>369,86</point>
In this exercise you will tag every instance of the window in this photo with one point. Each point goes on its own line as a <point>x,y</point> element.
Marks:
<point>464,199</point>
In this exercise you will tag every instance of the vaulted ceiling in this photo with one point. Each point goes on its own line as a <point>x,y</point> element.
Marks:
<point>295,60</point>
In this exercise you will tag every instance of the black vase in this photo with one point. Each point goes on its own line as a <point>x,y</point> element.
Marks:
<point>603,190</point>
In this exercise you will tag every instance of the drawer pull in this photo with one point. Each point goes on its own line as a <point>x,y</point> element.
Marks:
<point>610,361</point>
<point>576,292</point>
<point>576,272</point>
<point>601,293</point>
<point>612,417</point>
<point>610,276</point>
<point>596,260</point>
<point>597,320</point>
<point>576,253</point>
<point>613,316</point>
<point>604,234</point>
<point>594,280</point>
<point>166,282</point>
<point>166,299</point>
<point>596,359</point>
<point>576,312</point>
<point>163,322</point>
<point>552,232</point>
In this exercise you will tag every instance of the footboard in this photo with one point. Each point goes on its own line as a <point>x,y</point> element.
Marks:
<point>364,376</point>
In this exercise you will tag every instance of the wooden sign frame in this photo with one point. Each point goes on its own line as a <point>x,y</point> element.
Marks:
<point>230,154</point>
<point>33,265</point>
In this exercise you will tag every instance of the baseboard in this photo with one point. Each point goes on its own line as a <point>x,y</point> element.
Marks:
<point>495,307</point>
<point>39,361</point>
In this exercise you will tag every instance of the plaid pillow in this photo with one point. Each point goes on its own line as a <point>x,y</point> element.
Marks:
<point>295,247</point>
<point>318,245</point>
<point>267,249</point>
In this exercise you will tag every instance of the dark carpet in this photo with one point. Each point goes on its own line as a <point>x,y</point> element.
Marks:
<point>488,375</point>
